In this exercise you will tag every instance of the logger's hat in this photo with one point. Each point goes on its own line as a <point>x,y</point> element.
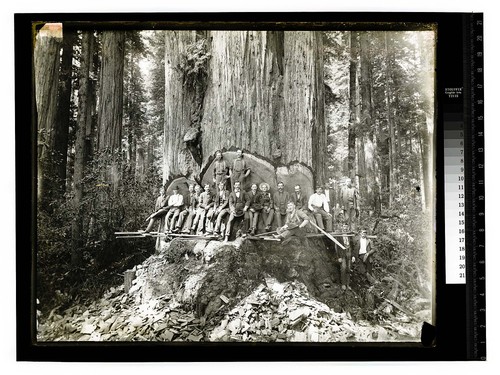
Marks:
<point>264,184</point>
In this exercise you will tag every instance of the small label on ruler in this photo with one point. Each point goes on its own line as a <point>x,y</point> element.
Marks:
<point>454,199</point>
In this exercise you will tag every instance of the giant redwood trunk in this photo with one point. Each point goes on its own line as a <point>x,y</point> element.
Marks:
<point>265,95</point>
<point>110,114</point>
<point>180,104</point>
<point>64,113</point>
<point>46,65</point>
<point>353,104</point>
<point>84,124</point>
<point>365,154</point>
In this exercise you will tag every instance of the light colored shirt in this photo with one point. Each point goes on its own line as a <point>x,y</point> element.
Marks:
<point>317,201</point>
<point>362,246</point>
<point>176,200</point>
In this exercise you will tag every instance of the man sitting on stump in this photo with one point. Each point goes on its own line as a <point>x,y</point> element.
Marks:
<point>319,207</point>
<point>237,207</point>
<point>254,207</point>
<point>295,224</point>
<point>267,205</point>
<point>175,202</point>
<point>161,210</point>
<point>205,203</point>
<point>280,199</point>
<point>188,207</point>
<point>221,206</point>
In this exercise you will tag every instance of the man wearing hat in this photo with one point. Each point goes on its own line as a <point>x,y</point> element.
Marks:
<point>175,203</point>
<point>267,205</point>
<point>319,207</point>
<point>238,206</point>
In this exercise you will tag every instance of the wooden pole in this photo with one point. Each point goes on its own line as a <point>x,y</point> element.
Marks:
<point>328,235</point>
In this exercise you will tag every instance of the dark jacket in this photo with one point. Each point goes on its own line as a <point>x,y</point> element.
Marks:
<point>266,199</point>
<point>237,204</point>
<point>300,202</point>
<point>254,200</point>
<point>222,202</point>
<point>280,201</point>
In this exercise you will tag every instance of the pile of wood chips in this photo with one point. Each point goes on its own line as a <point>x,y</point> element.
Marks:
<point>280,312</point>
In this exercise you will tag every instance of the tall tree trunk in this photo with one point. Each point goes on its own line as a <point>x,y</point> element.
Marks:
<point>353,104</point>
<point>244,98</point>
<point>303,134</point>
<point>392,139</point>
<point>180,102</point>
<point>366,112</point>
<point>63,111</point>
<point>264,94</point>
<point>84,122</point>
<point>110,114</point>
<point>426,151</point>
<point>47,56</point>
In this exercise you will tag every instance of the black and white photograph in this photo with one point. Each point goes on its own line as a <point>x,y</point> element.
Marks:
<point>262,185</point>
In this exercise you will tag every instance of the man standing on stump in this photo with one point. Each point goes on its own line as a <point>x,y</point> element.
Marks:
<point>240,171</point>
<point>349,201</point>
<point>161,210</point>
<point>220,170</point>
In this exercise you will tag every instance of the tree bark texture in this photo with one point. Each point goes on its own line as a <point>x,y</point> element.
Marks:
<point>353,105</point>
<point>63,111</point>
<point>110,114</point>
<point>366,123</point>
<point>46,61</point>
<point>265,95</point>
<point>84,122</point>
<point>390,121</point>
<point>180,103</point>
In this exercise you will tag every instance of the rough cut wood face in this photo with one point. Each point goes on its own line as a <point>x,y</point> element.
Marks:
<point>265,171</point>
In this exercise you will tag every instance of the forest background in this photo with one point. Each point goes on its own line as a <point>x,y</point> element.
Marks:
<point>111,130</point>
